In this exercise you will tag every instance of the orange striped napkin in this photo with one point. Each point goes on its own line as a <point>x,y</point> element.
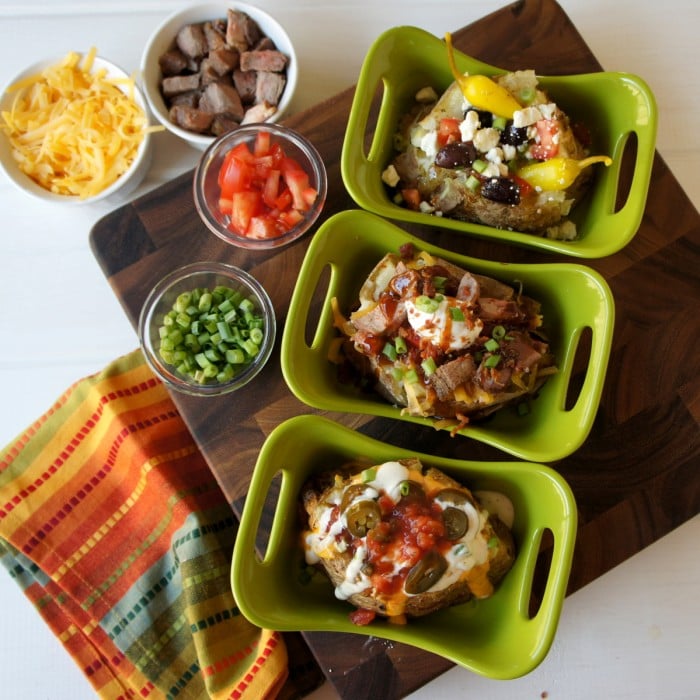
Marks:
<point>116,530</point>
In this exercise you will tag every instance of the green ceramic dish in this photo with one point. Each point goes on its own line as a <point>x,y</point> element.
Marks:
<point>496,637</point>
<point>574,298</point>
<point>618,108</point>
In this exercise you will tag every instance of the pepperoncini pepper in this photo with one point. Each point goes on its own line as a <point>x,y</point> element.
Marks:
<point>558,173</point>
<point>482,92</point>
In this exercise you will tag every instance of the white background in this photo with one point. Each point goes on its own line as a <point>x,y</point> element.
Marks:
<point>633,633</point>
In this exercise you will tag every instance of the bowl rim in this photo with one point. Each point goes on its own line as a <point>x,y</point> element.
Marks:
<point>361,168</point>
<point>150,307</point>
<point>249,131</point>
<point>125,183</point>
<point>150,72</point>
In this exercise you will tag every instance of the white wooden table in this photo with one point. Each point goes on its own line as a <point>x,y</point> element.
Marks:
<point>633,633</point>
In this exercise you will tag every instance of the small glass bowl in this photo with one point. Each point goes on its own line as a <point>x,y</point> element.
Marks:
<point>203,275</point>
<point>207,191</point>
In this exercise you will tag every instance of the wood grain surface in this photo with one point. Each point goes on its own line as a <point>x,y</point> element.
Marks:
<point>635,478</point>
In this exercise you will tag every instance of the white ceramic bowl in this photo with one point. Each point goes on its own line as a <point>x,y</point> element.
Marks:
<point>163,38</point>
<point>122,187</point>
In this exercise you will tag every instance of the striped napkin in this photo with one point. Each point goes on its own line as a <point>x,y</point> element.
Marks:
<point>116,530</point>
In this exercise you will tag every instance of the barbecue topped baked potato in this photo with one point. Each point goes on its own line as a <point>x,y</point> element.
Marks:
<point>442,342</point>
<point>496,151</point>
<point>400,539</point>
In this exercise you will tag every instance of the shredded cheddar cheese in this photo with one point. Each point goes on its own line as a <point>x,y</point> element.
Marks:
<point>73,130</point>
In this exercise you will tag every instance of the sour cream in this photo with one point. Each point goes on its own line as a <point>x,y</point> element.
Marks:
<point>448,323</point>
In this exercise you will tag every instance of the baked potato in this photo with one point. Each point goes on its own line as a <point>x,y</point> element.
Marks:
<point>506,156</point>
<point>400,539</point>
<point>442,342</point>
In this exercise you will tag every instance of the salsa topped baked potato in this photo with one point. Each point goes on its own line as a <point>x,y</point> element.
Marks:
<point>441,341</point>
<point>400,539</point>
<point>496,151</point>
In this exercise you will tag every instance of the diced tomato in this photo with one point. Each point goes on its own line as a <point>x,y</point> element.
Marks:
<point>262,144</point>
<point>245,205</point>
<point>264,192</point>
<point>448,131</point>
<point>362,617</point>
<point>547,146</point>
<point>262,227</point>
<point>412,197</point>
<point>271,189</point>
<point>234,176</point>
<point>297,181</point>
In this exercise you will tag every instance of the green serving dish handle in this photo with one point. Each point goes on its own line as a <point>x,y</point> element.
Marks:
<point>617,108</point>
<point>502,637</point>
<point>577,306</point>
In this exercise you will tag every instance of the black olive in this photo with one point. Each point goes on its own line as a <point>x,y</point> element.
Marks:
<point>426,573</point>
<point>485,117</point>
<point>456,155</point>
<point>501,189</point>
<point>514,135</point>
<point>456,523</point>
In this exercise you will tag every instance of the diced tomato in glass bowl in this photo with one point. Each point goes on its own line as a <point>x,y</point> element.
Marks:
<point>260,186</point>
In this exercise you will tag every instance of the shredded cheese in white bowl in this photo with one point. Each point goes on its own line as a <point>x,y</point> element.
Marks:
<point>74,129</point>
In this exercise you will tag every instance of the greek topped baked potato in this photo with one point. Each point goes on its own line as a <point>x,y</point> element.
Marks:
<point>400,539</point>
<point>496,151</point>
<point>442,342</point>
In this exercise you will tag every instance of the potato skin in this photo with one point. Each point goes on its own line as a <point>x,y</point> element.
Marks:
<point>320,489</point>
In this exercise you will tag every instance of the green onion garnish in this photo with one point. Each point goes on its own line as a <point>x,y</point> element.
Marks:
<point>492,361</point>
<point>426,304</point>
<point>428,366</point>
<point>400,345</point>
<point>492,345</point>
<point>456,314</point>
<point>404,488</point>
<point>389,351</point>
<point>499,332</point>
<point>369,475</point>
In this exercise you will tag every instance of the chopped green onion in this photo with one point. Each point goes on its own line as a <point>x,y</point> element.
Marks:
<point>499,123</point>
<point>369,475</point>
<point>400,345</point>
<point>527,95</point>
<point>404,488</point>
<point>411,376</point>
<point>492,361</point>
<point>479,165</point>
<point>492,345</point>
<point>456,314</point>
<point>389,351</point>
<point>439,282</point>
<point>397,373</point>
<point>210,335</point>
<point>499,332</point>
<point>493,542</point>
<point>429,366</point>
<point>473,183</point>
<point>426,304</point>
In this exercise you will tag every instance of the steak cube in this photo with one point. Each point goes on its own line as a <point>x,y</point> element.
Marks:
<point>191,41</point>
<point>270,61</point>
<point>269,87</point>
<point>218,98</point>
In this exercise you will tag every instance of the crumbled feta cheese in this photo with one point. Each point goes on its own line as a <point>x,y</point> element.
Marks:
<point>526,116</point>
<point>390,176</point>
<point>486,139</point>
<point>491,170</point>
<point>426,207</point>
<point>469,126</point>
<point>429,144</point>
<point>548,110</point>
<point>495,155</point>
<point>426,95</point>
<point>509,151</point>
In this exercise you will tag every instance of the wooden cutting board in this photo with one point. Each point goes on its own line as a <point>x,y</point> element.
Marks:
<point>635,478</point>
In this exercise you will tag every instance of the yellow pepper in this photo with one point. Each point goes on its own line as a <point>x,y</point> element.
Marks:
<point>480,91</point>
<point>558,173</point>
